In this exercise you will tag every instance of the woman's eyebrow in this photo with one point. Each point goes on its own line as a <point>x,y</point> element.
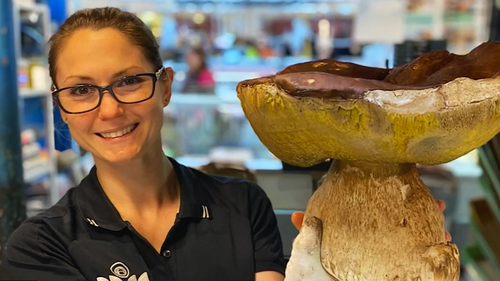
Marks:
<point>122,73</point>
<point>118,74</point>
<point>79,77</point>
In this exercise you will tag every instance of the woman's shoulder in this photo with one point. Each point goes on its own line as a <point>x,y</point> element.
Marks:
<point>237,193</point>
<point>232,184</point>
<point>41,245</point>
<point>65,207</point>
<point>56,221</point>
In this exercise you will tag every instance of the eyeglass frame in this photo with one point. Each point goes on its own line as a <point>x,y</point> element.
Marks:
<point>155,76</point>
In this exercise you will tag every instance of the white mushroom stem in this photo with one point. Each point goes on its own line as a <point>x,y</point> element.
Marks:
<point>305,262</point>
<point>377,222</point>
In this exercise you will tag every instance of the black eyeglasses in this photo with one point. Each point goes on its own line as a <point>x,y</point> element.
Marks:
<point>128,90</point>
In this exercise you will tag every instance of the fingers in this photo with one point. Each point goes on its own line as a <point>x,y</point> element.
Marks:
<point>297,219</point>
<point>447,236</point>
<point>441,204</point>
<point>442,207</point>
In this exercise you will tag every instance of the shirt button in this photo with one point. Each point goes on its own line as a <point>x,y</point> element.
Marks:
<point>167,253</point>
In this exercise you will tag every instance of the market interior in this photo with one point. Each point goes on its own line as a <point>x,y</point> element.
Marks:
<point>228,41</point>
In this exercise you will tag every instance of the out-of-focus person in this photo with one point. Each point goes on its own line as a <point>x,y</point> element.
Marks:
<point>199,78</point>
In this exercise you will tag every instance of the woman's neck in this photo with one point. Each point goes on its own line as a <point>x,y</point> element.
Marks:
<point>146,183</point>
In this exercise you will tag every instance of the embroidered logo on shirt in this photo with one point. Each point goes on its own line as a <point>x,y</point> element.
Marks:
<point>121,273</point>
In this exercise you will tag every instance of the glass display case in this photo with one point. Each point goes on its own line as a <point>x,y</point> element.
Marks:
<point>200,128</point>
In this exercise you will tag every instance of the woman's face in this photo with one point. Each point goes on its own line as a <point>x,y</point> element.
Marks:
<point>101,58</point>
<point>193,60</point>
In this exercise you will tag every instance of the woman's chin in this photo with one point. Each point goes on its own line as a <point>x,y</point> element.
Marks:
<point>120,156</point>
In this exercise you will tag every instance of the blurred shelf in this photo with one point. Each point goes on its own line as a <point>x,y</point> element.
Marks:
<point>252,164</point>
<point>28,93</point>
<point>203,99</point>
<point>33,174</point>
<point>237,76</point>
<point>28,7</point>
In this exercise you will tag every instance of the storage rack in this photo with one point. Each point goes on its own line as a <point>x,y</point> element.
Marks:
<point>46,170</point>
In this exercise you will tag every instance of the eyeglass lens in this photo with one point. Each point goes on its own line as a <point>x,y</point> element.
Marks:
<point>131,89</point>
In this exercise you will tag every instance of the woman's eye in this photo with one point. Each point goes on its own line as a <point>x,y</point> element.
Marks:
<point>81,91</point>
<point>130,81</point>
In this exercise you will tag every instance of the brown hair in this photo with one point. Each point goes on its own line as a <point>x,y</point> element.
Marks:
<point>200,52</point>
<point>99,18</point>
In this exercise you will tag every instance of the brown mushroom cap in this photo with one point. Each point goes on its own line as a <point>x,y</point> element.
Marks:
<point>430,111</point>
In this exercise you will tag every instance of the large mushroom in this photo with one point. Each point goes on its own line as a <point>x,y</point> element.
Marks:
<point>373,219</point>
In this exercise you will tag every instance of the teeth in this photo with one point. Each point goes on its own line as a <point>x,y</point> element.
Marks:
<point>118,133</point>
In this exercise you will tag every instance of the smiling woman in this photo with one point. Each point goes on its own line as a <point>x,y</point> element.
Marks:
<point>107,56</point>
<point>138,215</point>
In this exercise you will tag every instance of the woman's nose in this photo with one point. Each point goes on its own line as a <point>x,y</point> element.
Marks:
<point>110,108</point>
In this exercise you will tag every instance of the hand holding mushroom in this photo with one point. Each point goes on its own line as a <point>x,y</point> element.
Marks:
<point>376,219</point>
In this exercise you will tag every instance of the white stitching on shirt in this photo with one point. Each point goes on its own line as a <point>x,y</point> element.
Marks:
<point>206,215</point>
<point>92,222</point>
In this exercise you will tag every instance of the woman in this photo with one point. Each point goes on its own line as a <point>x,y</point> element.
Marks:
<point>199,79</point>
<point>138,215</point>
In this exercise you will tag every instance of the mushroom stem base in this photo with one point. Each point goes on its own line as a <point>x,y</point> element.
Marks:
<point>373,222</point>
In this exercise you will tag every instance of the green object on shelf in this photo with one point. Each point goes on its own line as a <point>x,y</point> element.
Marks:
<point>462,18</point>
<point>252,52</point>
<point>478,267</point>
<point>419,19</point>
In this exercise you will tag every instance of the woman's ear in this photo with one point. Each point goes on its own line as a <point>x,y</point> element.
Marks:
<point>167,79</point>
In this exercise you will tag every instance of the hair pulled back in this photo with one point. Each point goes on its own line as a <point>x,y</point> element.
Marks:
<point>99,18</point>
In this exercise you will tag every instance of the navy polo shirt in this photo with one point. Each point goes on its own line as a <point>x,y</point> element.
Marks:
<point>225,230</point>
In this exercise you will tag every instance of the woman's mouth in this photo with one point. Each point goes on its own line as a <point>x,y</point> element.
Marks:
<point>120,133</point>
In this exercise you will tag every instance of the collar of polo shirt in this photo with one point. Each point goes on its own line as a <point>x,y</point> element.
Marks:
<point>100,212</point>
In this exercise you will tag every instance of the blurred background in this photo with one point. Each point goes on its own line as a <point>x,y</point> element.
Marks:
<point>213,45</point>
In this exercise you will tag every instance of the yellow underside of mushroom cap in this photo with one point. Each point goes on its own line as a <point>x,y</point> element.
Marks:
<point>430,126</point>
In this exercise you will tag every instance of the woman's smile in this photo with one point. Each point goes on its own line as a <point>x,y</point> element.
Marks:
<point>118,133</point>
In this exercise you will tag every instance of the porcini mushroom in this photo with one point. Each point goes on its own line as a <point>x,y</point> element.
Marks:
<point>373,219</point>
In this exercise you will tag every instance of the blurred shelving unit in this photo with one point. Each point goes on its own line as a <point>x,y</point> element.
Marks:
<point>482,256</point>
<point>33,30</point>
